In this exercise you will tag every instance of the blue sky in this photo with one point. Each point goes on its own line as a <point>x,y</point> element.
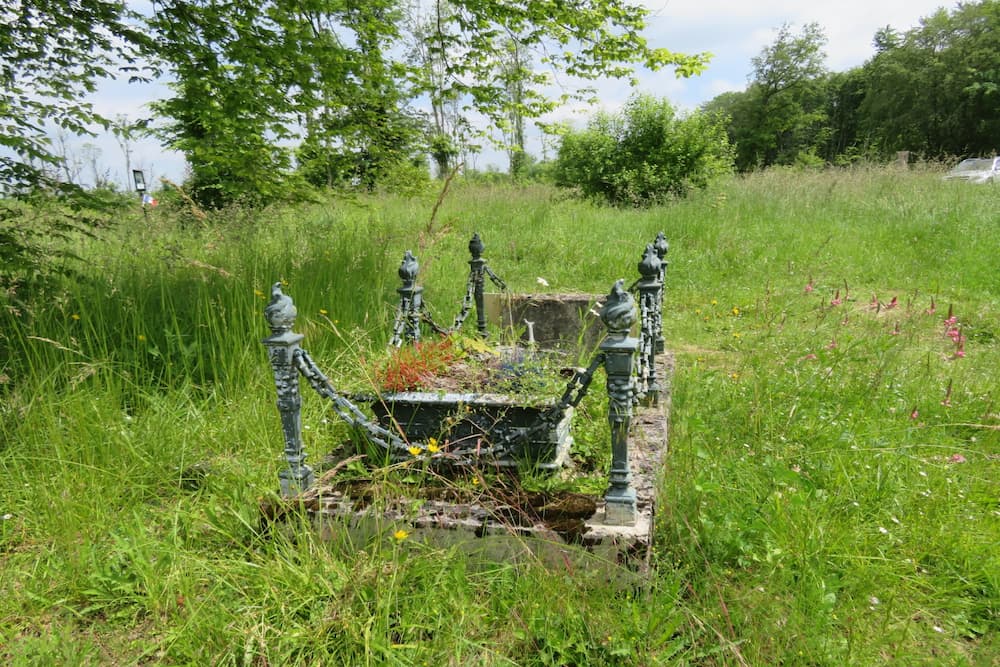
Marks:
<point>733,30</point>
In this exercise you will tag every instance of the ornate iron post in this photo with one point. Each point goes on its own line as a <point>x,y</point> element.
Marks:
<point>408,319</point>
<point>282,348</point>
<point>477,274</point>
<point>662,246</point>
<point>650,289</point>
<point>618,348</point>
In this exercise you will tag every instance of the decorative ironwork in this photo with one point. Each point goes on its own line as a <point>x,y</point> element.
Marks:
<point>618,349</point>
<point>282,348</point>
<point>650,289</point>
<point>662,246</point>
<point>407,325</point>
<point>479,270</point>
<point>289,360</point>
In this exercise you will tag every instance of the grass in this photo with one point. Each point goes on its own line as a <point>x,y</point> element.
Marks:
<point>830,495</point>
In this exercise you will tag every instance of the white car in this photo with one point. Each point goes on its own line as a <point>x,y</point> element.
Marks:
<point>976,170</point>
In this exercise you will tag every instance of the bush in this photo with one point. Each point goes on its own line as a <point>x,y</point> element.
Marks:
<point>645,155</point>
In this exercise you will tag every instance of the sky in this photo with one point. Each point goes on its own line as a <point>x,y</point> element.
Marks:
<point>734,31</point>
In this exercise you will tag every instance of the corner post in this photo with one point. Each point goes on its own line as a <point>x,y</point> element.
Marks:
<point>662,246</point>
<point>410,299</point>
<point>618,348</point>
<point>282,347</point>
<point>477,275</point>
<point>650,290</point>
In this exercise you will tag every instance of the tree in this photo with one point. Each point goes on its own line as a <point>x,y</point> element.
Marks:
<point>578,42</point>
<point>51,55</point>
<point>325,64</point>
<point>645,155</point>
<point>936,89</point>
<point>787,97</point>
<point>781,116</point>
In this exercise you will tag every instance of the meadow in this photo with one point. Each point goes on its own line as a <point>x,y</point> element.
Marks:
<point>830,495</point>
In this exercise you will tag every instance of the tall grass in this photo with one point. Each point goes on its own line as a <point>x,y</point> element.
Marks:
<point>829,498</point>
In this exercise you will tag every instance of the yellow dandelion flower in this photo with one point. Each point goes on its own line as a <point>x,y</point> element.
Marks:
<point>414,450</point>
<point>257,292</point>
<point>715,302</point>
<point>697,311</point>
<point>734,376</point>
<point>142,338</point>
<point>323,311</point>
<point>737,334</point>
<point>74,317</point>
<point>400,535</point>
<point>736,311</point>
<point>432,446</point>
<point>475,480</point>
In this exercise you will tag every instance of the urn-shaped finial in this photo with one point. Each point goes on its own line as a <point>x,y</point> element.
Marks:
<point>408,268</point>
<point>661,244</point>
<point>649,267</point>
<point>280,312</point>
<point>618,312</point>
<point>476,246</point>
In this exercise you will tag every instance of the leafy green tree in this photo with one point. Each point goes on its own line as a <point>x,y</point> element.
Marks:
<point>51,55</point>
<point>784,102</point>
<point>936,88</point>
<point>482,49</point>
<point>645,155</point>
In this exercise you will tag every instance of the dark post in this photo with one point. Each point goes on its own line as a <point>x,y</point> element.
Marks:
<point>477,275</point>
<point>410,297</point>
<point>662,246</point>
<point>618,315</point>
<point>282,346</point>
<point>649,288</point>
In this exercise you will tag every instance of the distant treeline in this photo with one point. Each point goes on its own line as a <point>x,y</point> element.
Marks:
<point>933,90</point>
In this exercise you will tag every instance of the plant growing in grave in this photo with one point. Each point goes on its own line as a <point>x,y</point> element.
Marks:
<point>415,367</point>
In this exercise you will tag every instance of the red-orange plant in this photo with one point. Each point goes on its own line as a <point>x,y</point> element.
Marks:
<point>412,367</point>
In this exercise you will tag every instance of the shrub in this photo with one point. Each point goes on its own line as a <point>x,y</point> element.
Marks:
<point>645,155</point>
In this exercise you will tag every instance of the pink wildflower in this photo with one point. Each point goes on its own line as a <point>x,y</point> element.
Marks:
<point>954,334</point>
<point>914,413</point>
<point>810,357</point>
<point>952,320</point>
<point>836,299</point>
<point>832,345</point>
<point>874,302</point>
<point>892,304</point>
<point>932,309</point>
<point>809,285</point>
<point>956,458</point>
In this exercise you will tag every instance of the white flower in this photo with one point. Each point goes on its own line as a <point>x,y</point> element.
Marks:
<point>542,281</point>
<point>884,531</point>
<point>6,517</point>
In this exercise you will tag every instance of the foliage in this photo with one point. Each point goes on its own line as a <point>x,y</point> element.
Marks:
<point>328,66</point>
<point>932,90</point>
<point>935,90</point>
<point>782,113</point>
<point>52,54</point>
<point>645,155</point>
<point>412,367</point>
